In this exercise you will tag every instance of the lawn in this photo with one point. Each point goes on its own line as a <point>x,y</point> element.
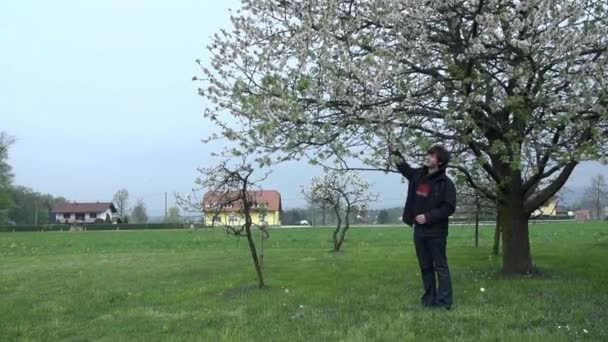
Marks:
<point>180,285</point>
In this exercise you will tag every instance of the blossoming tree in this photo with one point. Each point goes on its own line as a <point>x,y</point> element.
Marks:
<point>517,89</point>
<point>346,193</point>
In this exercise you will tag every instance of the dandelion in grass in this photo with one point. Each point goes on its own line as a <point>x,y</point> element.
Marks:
<point>482,289</point>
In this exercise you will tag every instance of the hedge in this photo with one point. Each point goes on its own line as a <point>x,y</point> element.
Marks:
<point>100,226</point>
<point>550,218</point>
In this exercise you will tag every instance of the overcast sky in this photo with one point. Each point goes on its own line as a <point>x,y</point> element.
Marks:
<point>100,97</point>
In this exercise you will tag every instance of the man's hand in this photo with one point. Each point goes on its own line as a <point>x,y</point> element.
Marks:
<point>421,219</point>
<point>393,150</point>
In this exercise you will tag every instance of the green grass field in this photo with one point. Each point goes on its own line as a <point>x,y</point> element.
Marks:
<point>182,285</point>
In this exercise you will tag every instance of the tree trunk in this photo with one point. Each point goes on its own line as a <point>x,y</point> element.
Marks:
<point>598,204</point>
<point>477,230</point>
<point>515,235</point>
<point>324,222</point>
<point>254,254</point>
<point>337,230</point>
<point>496,246</point>
<point>248,223</point>
<point>262,250</point>
<point>346,226</point>
<point>477,210</point>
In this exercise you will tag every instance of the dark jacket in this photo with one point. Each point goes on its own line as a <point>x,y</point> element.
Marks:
<point>438,207</point>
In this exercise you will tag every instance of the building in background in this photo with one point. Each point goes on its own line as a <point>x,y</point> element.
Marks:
<point>92,212</point>
<point>549,209</point>
<point>266,210</point>
<point>582,214</point>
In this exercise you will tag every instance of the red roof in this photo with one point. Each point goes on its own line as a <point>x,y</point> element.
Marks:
<point>73,207</point>
<point>271,198</point>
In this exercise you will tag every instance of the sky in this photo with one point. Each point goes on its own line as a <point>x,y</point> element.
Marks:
<point>99,95</point>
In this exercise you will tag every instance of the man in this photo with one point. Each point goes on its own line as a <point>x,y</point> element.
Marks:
<point>431,199</point>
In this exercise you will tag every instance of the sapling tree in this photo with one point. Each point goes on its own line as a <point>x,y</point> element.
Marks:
<point>230,184</point>
<point>346,193</point>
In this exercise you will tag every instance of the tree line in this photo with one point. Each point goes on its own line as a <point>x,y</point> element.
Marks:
<point>21,205</point>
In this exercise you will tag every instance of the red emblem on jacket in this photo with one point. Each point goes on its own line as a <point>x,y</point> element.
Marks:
<point>423,189</point>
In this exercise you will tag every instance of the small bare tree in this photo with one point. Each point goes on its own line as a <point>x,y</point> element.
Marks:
<point>121,200</point>
<point>173,216</point>
<point>597,195</point>
<point>474,205</point>
<point>346,193</point>
<point>478,200</point>
<point>139,214</point>
<point>230,186</point>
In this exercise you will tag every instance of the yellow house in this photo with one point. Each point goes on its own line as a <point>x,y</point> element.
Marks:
<point>549,209</point>
<point>266,210</point>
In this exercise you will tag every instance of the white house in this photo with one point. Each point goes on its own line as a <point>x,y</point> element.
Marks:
<point>72,212</point>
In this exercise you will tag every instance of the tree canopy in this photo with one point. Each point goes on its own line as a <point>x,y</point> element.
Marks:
<point>516,89</point>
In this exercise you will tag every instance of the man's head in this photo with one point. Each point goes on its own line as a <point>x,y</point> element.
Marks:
<point>436,157</point>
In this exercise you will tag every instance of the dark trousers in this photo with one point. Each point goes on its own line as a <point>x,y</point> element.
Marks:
<point>432,258</point>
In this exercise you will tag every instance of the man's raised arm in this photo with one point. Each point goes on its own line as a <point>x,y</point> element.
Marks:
<point>404,168</point>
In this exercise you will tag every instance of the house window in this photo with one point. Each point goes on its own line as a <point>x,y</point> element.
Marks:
<point>79,216</point>
<point>263,218</point>
<point>93,215</point>
<point>66,215</point>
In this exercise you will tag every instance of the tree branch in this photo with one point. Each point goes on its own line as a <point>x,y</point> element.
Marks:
<point>545,194</point>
